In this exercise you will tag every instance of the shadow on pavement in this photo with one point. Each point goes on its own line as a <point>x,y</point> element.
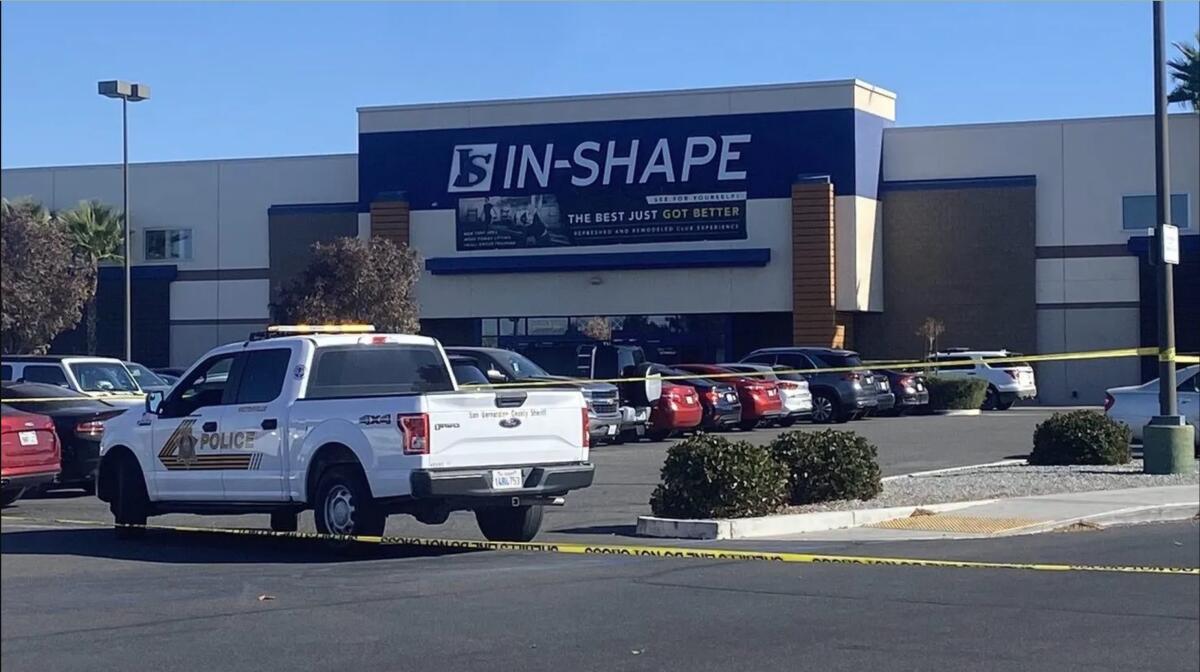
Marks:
<point>165,546</point>
<point>619,530</point>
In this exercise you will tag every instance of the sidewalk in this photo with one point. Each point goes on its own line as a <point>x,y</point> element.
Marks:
<point>1027,515</point>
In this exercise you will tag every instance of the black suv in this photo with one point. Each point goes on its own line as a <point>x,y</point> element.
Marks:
<point>837,396</point>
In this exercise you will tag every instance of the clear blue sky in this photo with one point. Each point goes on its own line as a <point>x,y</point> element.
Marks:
<point>248,79</point>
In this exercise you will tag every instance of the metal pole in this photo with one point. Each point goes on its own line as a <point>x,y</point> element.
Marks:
<point>1167,403</point>
<point>125,208</point>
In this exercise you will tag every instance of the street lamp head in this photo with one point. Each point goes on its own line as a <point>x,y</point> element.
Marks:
<point>129,91</point>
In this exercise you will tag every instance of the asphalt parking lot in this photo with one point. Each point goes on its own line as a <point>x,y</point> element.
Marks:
<point>76,599</point>
<point>626,475</point>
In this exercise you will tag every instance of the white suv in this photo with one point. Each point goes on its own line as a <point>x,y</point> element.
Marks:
<point>94,376</point>
<point>1007,380</point>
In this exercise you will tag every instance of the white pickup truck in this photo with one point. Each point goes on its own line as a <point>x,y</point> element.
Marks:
<point>355,426</point>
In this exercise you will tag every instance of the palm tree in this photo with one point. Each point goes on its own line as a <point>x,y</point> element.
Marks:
<point>1185,70</point>
<point>97,231</point>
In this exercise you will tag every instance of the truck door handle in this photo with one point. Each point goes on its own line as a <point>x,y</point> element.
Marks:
<point>209,426</point>
<point>269,423</point>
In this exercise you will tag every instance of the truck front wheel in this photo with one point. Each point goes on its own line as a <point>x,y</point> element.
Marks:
<point>344,505</point>
<point>518,523</point>
<point>130,508</point>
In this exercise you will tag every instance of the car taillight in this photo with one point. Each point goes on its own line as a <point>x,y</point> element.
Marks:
<point>1108,401</point>
<point>89,429</point>
<point>788,385</point>
<point>852,375</point>
<point>713,395</point>
<point>906,381</point>
<point>587,435</point>
<point>415,427</point>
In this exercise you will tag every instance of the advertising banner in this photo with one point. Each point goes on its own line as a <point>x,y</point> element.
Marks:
<point>547,220</point>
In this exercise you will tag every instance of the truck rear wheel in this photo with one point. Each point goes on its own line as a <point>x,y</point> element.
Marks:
<point>344,505</point>
<point>131,505</point>
<point>518,523</point>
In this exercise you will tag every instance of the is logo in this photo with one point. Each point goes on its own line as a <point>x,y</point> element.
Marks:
<point>509,423</point>
<point>471,168</point>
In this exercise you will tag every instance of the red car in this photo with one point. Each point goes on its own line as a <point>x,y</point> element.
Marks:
<point>760,398</point>
<point>29,452</point>
<point>677,410</point>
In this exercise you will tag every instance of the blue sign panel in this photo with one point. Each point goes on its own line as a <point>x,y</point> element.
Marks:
<point>600,183</point>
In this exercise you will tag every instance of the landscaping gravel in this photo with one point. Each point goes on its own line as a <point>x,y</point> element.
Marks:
<point>1014,480</point>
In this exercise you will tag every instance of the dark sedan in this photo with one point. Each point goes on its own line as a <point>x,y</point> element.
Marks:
<point>909,387</point>
<point>722,408</point>
<point>78,421</point>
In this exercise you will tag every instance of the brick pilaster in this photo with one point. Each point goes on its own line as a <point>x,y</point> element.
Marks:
<point>814,312</point>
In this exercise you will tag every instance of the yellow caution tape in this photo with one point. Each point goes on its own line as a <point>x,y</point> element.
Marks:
<point>1166,355</point>
<point>631,550</point>
<point>865,366</point>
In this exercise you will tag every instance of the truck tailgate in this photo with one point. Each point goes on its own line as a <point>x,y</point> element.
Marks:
<point>470,429</point>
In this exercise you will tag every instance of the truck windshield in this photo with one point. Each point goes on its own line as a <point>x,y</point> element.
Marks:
<point>522,366</point>
<point>103,377</point>
<point>377,370</point>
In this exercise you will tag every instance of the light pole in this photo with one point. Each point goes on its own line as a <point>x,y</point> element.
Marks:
<point>1167,440</point>
<point>128,92</point>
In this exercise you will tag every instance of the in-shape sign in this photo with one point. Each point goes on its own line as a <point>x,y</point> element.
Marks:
<point>714,159</point>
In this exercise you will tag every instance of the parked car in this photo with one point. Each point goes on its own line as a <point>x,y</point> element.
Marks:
<point>837,396</point>
<point>506,366</point>
<point>78,422</point>
<point>760,398</point>
<point>909,388</point>
<point>1007,381</point>
<point>169,372</point>
<point>29,452</point>
<point>147,379</point>
<point>677,410</point>
<point>793,391</point>
<point>94,376</point>
<point>885,399</point>
<point>353,427</point>
<point>1134,405</point>
<point>719,404</point>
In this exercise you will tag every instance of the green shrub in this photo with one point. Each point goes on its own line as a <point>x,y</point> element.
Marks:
<point>1081,437</point>
<point>828,465</point>
<point>955,393</point>
<point>707,476</point>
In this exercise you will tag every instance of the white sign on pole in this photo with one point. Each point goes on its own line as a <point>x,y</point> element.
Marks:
<point>1170,244</point>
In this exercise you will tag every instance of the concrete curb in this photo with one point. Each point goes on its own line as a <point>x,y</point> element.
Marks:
<point>958,412</point>
<point>1133,515</point>
<point>951,470</point>
<point>794,523</point>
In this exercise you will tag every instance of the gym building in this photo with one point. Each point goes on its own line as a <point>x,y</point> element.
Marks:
<point>699,224</point>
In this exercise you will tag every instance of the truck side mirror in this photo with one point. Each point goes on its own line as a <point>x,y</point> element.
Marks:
<point>496,376</point>
<point>154,399</point>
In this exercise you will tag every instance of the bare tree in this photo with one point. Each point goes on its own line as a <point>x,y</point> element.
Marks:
<point>930,330</point>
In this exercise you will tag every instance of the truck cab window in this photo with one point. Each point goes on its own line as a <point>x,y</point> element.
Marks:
<point>262,375</point>
<point>204,387</point>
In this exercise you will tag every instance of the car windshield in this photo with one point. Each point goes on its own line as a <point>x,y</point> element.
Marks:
<point>103,377</point>
<point>145,377</point>
<point>522,366</point>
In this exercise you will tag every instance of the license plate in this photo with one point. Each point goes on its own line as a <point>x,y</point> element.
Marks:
<point>612,430</point>
<point>507,479</point>
<point>28,438</point>
<point>690,399</point>
<point>920,387</point>
<point>730,397</point>
<point>771,393</point>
